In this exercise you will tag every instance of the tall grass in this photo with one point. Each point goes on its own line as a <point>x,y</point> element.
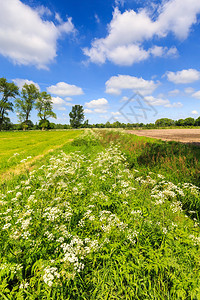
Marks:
<point>177,161</point>
<point>86,226</point>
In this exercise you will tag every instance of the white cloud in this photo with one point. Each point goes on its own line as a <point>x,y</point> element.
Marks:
<point>119,2</point>
<point>184,76</point>
<point>196,95</point>
<point>127,55</point>
<point>43,10</point>
<point>58,18</point>
<point>174,105</point>
<point>88,111</point>
<point>159,101</point>
<point>102,102</point>
<point>97,18</point>
<point>58,100</point>
<point>189,90</point>
<point>178,16</point>
<point>64,89</point>
<point>117,113</point>
<point>156,101</point>
<point>194,112</point>
<point>127,32</point>
<point>124,98</point>
<point>172,52</point>
<point>100,110</point>
<point>25,37</point>
<point>68,99</point>
<point>20,83</point>
<point>116,84</point>
<point>61,108</point>
<point>158,51</point>
<point>174,92</point>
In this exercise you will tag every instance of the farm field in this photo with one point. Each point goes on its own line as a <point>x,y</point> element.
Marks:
<point>106,216</point>
<point>17,148</point>
<point>180,135</point>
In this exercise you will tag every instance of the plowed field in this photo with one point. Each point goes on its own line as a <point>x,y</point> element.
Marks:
<point>179,135</point>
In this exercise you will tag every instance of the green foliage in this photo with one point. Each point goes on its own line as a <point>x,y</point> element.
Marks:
<point>76,116</point>
<point>44,124</point>
<point>7,91</point>
<point>6,124</point>
<point>177,161</point>
<point>197,121</point>
<point>164,122</point>
<point>86,139</point>
<point>24,105</point>
<point>18,148</point>
<point>189,122</point>
<point>86,226</point>
<point>44,105</point>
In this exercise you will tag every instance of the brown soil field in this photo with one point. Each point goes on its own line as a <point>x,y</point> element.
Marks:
<point>178,135</point>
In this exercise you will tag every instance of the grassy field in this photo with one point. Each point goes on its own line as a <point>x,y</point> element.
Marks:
<point>17,148</point>
<point>101,219</point>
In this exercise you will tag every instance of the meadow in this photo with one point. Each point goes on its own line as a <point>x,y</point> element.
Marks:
<point>106,216</point>
<point>16,147</point>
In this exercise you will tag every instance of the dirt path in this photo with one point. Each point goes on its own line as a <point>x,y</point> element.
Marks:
<point>179,135</point>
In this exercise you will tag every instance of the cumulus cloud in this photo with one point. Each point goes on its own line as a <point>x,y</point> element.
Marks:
<point>20,83</point>
<point>99,103</point>
<point>127,55</point>
<point>159,101</point>
<point>174,92</point>
<point>184,76</point>
<point>127,32</point>
<point>124,98</point>
<point>189,90</point>
<point>178,16</point>
<point>27,39</point>
<point>158,51</point>
<point>64,89</point>
<point>88,111</point>
<point>58,100</point>
<point>196,95</point>
<point>116,84</point>
<point>68,99</point>
<point>174,105</point>
<point>117,113</point>
<point>100,110</point>
<point>156,101</point>
<point>43,10</point>
<point>194,112</point>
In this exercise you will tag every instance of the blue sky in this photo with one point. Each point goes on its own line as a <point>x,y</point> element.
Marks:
<point>100,53</point>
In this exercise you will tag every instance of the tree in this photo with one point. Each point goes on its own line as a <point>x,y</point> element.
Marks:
<point>164,122</point>
<point>197,122</point>
<point>189,122</point>
<point>180,122</point>
<point>76,116</point>
<point>44,105</point>
<point>8,91</point>
<point>24,105</point>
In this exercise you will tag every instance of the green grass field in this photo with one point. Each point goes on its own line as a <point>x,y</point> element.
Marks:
<point>18,146</point>
<point>103,217</point>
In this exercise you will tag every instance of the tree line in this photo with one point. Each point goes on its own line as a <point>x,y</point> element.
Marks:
<point>30,97</point>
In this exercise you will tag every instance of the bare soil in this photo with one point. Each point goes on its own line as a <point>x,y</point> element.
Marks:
<point>179,135</point>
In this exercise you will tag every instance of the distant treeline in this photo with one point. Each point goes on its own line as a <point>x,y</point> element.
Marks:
<point>160,123</point>
<point>24,101</point>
